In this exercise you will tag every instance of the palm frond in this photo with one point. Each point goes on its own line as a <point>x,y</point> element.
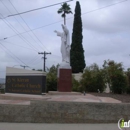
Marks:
<point>59,11</point>
<point>63,15</point>
<point>68,7</point>
<point>65,9</point>
<point>68,12</point>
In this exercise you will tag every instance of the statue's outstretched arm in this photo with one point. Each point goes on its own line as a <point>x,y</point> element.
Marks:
<point>58,33</point>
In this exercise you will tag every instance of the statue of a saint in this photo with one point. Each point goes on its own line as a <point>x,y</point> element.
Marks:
<point>65,44</point>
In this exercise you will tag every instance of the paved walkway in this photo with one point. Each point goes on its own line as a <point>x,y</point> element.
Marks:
<point>25,99</point>
<point>35,126</point>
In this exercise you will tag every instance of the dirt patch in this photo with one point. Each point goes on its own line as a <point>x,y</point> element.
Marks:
<point>125,98</point>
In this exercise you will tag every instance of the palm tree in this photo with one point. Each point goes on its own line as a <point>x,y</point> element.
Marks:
<point>65,9</point>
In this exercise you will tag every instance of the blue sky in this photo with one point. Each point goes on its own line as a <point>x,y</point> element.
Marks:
<point>106,32</point>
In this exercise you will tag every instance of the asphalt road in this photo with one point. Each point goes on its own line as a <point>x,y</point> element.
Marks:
<point>43,126</point>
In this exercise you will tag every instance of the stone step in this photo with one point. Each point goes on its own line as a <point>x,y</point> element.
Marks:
<point>63,93</point>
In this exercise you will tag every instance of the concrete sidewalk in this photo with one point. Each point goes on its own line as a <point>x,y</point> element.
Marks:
<point>24,99</point>
<point>35,126</point>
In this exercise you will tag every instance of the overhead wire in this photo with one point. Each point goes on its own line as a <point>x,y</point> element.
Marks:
<point>104,7</point>
<point>16,32</point>
<point>17,20</point>
<point>34,61</point>
<point>39,8</point>
<point>19,45</point>
<point>27,48</point>
<point>27,25</point>
<point>10,53</point>
<point>36,28</point>
<point>69,18</point>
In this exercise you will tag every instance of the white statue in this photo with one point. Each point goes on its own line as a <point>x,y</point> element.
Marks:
<point>65,44</point>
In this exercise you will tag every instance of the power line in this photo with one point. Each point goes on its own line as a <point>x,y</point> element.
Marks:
<point>26,24</point>
<point>15,18</point>
<point>36,28</point>
<point>10,53</point>
<point>104,7</point>
<point>69,18</point>
<point>38,8</point>
<point>33,59</point>
<point>16,32</point>
<point>29,49</point>
<point>56,56</point>
<point>19,45</point>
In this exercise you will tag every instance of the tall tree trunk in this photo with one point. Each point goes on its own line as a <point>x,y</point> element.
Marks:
<point>64,19</point>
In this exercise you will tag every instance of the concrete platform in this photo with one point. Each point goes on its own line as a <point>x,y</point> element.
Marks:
<point>25,99</point>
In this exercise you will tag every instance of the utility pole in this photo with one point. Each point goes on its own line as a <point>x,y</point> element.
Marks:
<point>44,58</point>
<point>24,66</point>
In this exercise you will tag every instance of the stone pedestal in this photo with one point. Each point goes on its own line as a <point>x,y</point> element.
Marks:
<point>64,80</point>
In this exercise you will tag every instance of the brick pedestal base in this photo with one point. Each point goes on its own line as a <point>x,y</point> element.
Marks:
<point>65,80</point>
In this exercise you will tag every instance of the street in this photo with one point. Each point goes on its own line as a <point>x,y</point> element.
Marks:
<point>43,126</point>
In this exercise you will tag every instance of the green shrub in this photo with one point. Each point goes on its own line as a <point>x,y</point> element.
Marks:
<point>118,83</point>
<point>51,82</point>
<point>115,76</point>
<point>128,80</point>
<point>92,79</point>
<point>75,85</point>
<point>51,79</point>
